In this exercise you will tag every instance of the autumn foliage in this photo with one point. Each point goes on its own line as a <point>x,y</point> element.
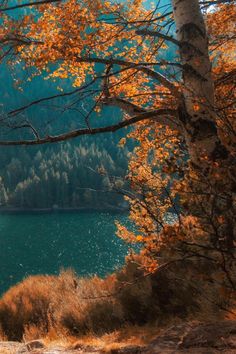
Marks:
<point>182,170</point>
<point>164,181</point>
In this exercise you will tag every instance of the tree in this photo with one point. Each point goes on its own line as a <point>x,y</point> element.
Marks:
<point>3,193</point>
<point>114,53</point>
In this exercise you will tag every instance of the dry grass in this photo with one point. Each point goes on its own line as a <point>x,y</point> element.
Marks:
<point>62,308</point>
<point>8,351</point>
<point>126,336</point>
<point>3,336</point>
<point>58,306</point>
<point>26,303</point>
<point>8,348</point>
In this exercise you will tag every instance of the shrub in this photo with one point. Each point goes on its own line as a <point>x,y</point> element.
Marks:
<point>62,302</point>
<point>134,291</point>
<point>175,291</point>
<point>25,304</point>
<point>77,306</point>
<point>90,307</point>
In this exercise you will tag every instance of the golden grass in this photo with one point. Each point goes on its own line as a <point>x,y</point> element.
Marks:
<point>114,310</point>
<point>8,351</point>
<point>58,306</point>
<point>126,336</point>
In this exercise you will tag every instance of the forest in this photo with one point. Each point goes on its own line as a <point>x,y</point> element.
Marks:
<point>55,171</point>
<point>65,177</point>
<point>126,106</point>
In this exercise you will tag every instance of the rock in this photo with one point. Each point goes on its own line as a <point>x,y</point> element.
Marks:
<point>86,348</point>
<point>128,350</point>
<point>196,338</point>
<point>35,344</point>
<point>170,338</point>
<point>220,335</point>
<point>58,350</point>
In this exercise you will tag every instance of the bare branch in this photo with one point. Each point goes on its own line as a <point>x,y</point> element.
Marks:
<point>163,116</point>
<point>36,3</point>
<point>206,3</point>
<point>125,105</point>
<point>147,32</point>
<point>106,90</point>
<point>26,125</point>
<point>45,99</point>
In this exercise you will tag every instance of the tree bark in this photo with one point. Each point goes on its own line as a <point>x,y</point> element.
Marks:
<point>197,111</point>
<point>213,166</point>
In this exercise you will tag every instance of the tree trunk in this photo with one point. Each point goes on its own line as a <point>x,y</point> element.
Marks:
<point>214,168</point>
<point>197,112</point>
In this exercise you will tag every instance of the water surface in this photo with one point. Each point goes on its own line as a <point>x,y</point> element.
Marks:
<point>45,243</point>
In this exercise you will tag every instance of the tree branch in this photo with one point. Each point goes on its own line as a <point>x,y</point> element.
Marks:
<point>45,99</point>
<point>125,105</point>
<point>37,3</point>
<point>139,66</point>
<point>162,116</point>
<point>26,125</point>
<point>106,88</point>
<point>104,77</point>
<point>147,32</point>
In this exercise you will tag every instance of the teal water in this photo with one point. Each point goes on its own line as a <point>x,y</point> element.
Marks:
<point>46,243</point>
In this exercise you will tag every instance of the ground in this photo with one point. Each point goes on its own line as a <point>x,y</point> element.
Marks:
<point>184,338</point>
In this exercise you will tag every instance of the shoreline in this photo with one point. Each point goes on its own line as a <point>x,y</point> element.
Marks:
<point>62,210</point>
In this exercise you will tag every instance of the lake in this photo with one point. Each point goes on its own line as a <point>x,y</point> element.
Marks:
<point>45,243</point>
